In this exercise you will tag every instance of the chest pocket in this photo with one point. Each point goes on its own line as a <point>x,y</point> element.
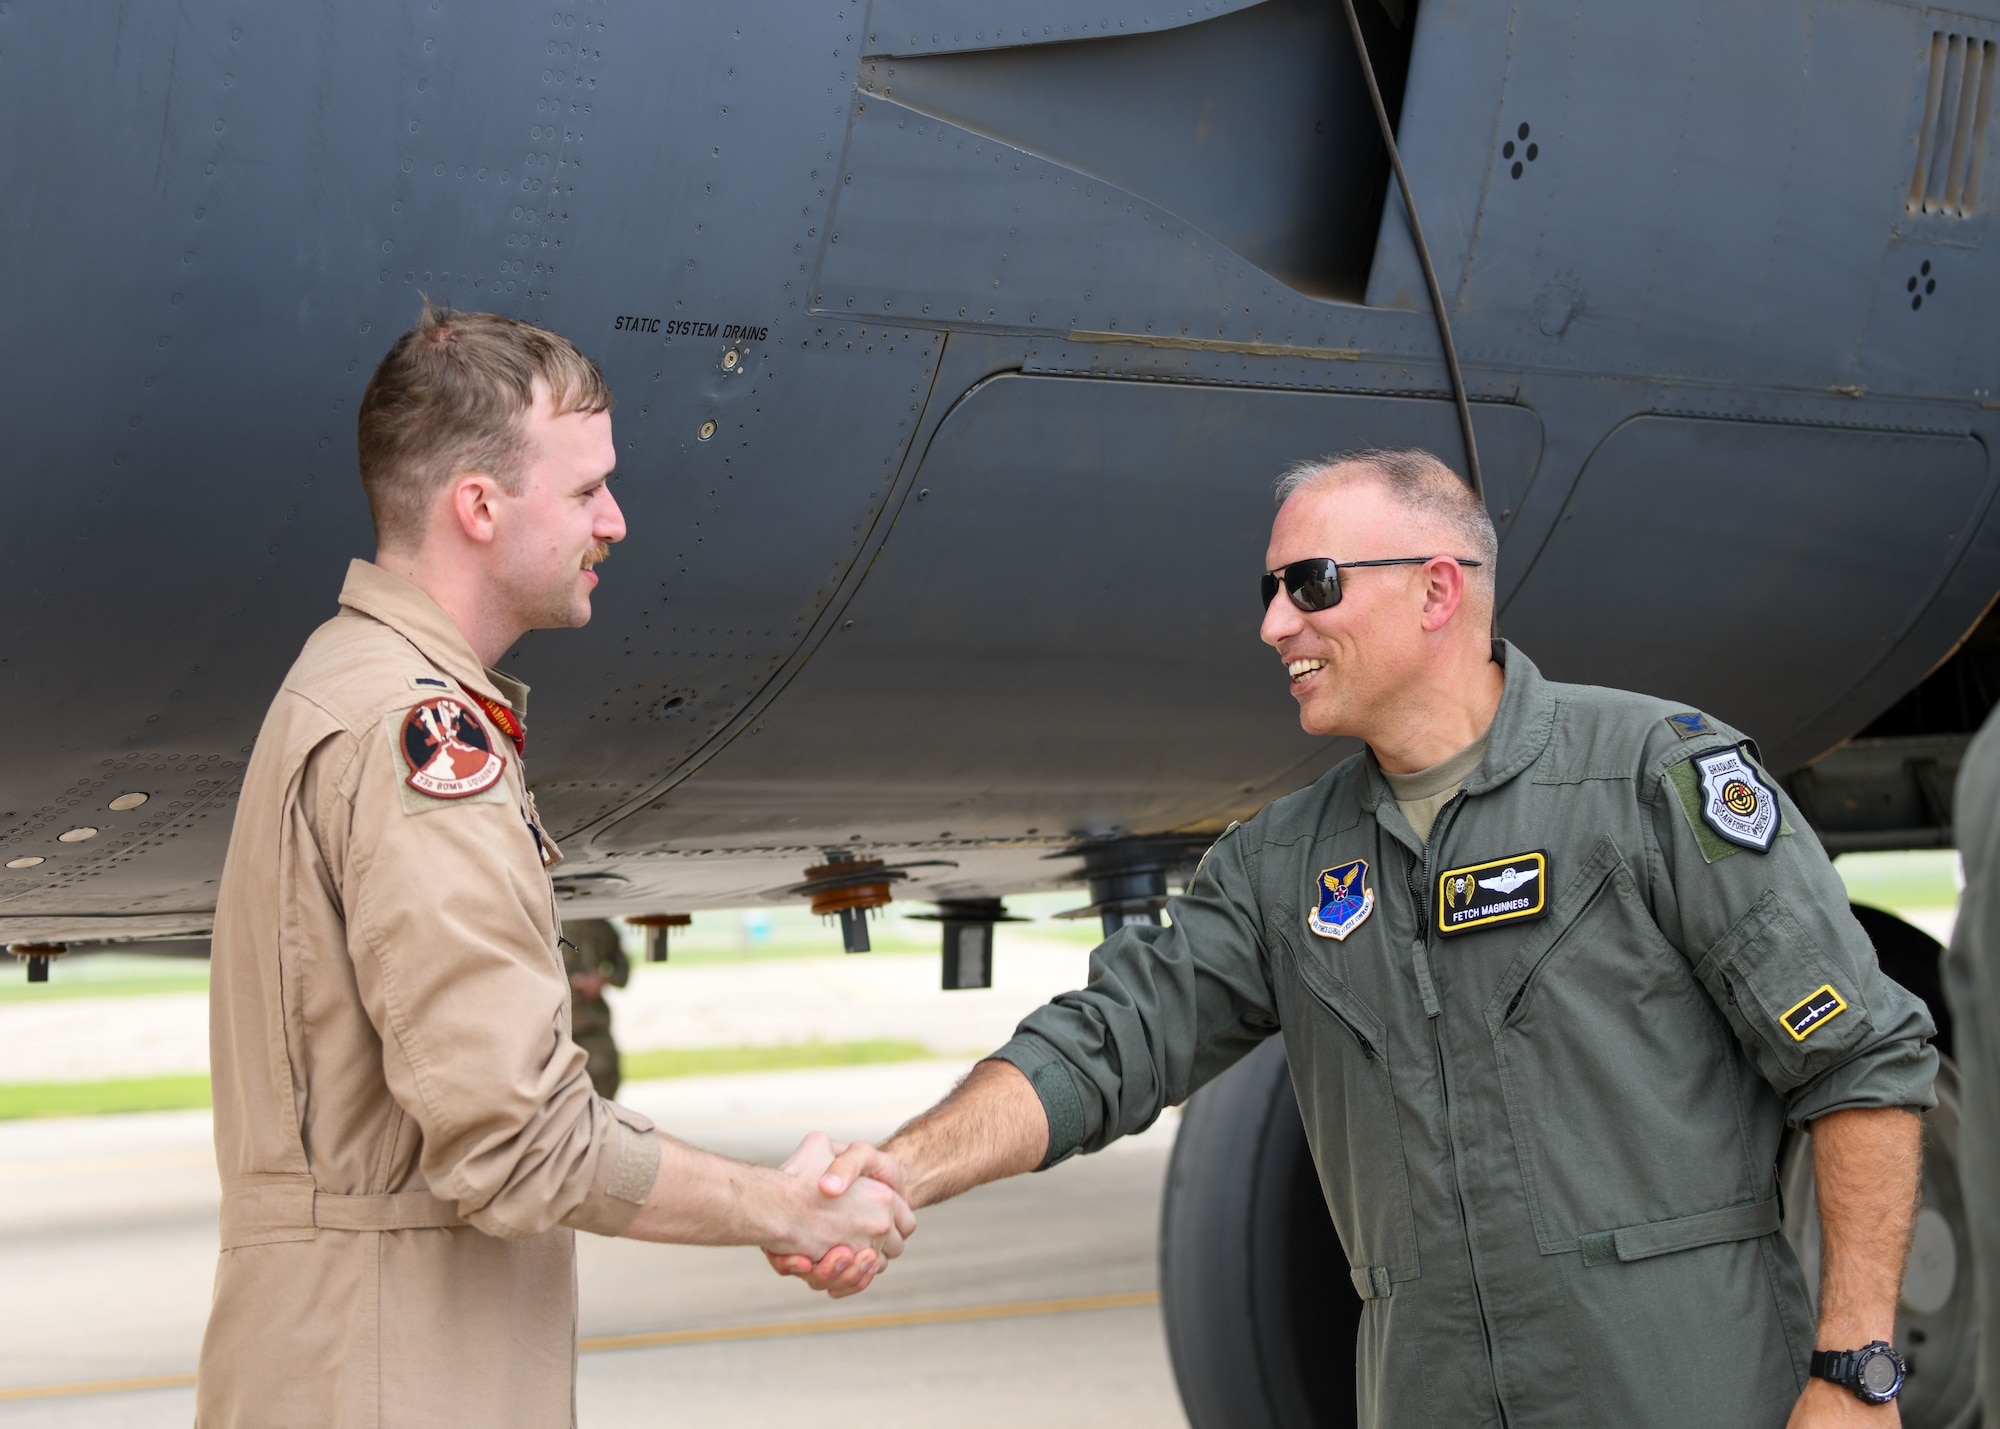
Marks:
<point>1623,1086</point>
<point>1337,1046</point>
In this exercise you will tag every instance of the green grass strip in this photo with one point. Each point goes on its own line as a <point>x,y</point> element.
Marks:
<point>787,1056</point>
<point>34,1099</point>
<point>22,1100</point>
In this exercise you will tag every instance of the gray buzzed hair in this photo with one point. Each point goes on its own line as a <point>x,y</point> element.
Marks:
<point>1420,483</point>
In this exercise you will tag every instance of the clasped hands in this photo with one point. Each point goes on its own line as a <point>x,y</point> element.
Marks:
<point>854,1221</point>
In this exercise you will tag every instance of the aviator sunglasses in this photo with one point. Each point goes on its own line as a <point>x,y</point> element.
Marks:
<point>1314,584</point>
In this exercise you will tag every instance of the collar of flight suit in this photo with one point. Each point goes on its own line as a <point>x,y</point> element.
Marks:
<point>1519,733</point>
<point>409,611</point>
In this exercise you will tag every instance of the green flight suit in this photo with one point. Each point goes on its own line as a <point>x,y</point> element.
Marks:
<point>1972,987</point>
<point>1548,1140</point>
<point>593,946</point>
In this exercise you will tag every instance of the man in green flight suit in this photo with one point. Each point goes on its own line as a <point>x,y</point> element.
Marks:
<point>1555,966</point>
<point>594,959</point>
<point>1972,986</point>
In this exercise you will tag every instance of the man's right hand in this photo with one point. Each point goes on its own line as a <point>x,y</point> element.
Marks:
<point>846,1234</point>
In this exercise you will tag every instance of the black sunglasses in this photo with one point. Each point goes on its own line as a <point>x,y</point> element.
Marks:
<point>1314,584</point>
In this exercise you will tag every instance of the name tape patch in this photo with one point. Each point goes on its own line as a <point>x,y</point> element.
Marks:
<point>1345,900</point>
<point>448,751</point>
<point>1514,889</point>
<point>1813,1012</point>
<point>1735,801</point>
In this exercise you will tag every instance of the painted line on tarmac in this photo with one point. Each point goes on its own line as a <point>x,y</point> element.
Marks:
<point>955,1315</point>
<point>952,1316</point>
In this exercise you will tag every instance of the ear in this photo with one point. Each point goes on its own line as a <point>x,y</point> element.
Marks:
<point>474,501</point>
<point>1444,592</point>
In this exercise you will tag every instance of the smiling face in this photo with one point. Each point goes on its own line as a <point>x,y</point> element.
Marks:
<point>562,522</point>
<point>1354,666</point>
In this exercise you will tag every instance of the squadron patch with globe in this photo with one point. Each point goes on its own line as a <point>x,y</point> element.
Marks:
<point>448,751</point>
<point>1735,801</point>
<point>1345,900</point>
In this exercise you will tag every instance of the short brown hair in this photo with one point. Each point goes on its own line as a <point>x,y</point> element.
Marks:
<point>449,397</point>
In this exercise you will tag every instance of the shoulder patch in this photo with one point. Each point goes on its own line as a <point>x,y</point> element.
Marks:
<point>1689,724</point>
<point>1691,780</point>
<point>1814,1011</point>
<point>447,750</point>
<point>1735,801</point>
<point>1514,889</point>
<point>1345,900</point>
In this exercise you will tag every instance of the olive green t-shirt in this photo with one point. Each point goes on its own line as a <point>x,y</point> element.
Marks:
<point>1422,794</point>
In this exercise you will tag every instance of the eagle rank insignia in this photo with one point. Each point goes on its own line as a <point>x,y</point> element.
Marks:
<point>1345,900</point>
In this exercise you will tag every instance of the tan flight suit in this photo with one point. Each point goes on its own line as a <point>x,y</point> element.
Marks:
<point>407,1136</point>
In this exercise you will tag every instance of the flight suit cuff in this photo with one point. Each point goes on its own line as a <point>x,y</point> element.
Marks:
<point>1050,1076</point>
<point>626,1169</point>
<point>1902,1074</point>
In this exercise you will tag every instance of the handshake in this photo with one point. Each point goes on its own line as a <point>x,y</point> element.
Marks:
<point>849,1219</point>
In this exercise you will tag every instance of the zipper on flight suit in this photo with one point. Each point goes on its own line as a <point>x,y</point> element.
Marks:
<point>1432,1009</point>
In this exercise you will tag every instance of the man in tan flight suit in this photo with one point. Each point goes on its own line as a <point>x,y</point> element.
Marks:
<point>406,1132</point>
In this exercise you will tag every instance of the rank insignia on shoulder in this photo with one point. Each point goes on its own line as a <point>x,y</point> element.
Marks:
<point>1689,724</point>
<point>448,751</point>
<point>1345,900</point>
<point>1735,801</point>
<point>1813,1012</point>
<point>430,682</point>
<point>1514,889</point>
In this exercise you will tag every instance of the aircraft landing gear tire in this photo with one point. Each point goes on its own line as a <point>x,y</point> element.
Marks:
<point>1260,1316</point>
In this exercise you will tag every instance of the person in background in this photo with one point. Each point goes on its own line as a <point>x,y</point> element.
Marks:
<point>595,959</point>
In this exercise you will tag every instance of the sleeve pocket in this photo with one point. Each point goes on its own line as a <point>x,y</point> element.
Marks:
<point>1794,1009</point>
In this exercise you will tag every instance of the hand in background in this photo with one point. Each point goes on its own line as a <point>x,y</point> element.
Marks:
<point>852,1223</point>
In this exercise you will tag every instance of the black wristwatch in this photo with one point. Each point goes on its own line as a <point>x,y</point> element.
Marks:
<point>1874,1372</point>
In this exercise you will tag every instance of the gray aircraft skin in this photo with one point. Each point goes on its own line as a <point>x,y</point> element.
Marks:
<point>956,347</point>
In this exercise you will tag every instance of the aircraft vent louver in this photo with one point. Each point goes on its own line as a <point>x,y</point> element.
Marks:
<point>1951,143</point>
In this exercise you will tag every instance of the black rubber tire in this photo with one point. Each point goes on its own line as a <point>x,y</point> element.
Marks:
<point>1910,956</point>
<point>1260,1316</point>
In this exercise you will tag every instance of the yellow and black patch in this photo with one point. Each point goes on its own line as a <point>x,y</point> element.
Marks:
<point>1514,889</point>
<point>1814,1011</point>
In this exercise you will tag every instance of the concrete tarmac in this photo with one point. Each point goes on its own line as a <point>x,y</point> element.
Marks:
<point>1029,1301</point>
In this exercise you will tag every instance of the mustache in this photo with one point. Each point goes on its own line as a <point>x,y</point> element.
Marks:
<point>596,554</point>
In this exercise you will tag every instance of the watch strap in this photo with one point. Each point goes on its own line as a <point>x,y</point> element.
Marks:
<point>1836,1365</point>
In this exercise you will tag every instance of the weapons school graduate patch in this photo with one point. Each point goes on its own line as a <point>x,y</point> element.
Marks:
<point>1514,889</point>
<point>447,749</point>
<point>1345,900</point>
<point>1807,1016</point>
<point>1735,801</point>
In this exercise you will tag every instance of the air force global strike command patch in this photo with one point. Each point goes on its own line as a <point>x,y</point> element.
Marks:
<point>1735,801</point>
<point>447,749</point>
<point>1345,900</point>
<point>1514,889</point>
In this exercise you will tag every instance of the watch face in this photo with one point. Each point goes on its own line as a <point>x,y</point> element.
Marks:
<point>1879,1374</point>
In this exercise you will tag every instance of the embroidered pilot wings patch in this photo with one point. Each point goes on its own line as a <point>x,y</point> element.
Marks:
<point>448,751</point>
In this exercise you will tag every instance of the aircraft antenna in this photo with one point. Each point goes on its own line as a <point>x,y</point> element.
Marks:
<point>1423,254</point>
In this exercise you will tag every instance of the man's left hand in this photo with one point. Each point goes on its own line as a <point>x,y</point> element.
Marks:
<point>587,985</point>
<point>1826,1405</point>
